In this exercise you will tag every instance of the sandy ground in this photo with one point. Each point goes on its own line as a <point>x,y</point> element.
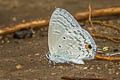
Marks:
<point>30,52</point>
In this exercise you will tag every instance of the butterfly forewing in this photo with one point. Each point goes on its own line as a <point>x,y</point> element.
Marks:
<point>60,21</point>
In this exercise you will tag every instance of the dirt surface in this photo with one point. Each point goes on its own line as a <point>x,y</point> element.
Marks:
<point>30,52</point>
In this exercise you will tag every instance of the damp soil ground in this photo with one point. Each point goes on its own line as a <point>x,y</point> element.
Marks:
<point>30,52</point>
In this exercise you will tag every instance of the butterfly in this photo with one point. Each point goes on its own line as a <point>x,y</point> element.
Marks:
<point>67,40</point>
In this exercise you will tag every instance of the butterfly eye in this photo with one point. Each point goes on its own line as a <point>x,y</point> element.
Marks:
<point>88,46</point>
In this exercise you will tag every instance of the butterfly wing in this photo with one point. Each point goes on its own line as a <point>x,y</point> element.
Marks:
<point>67,40</point>
<point>57,26</point>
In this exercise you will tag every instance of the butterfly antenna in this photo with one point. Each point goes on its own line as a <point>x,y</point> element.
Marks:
<point>99,50</point>
<point>110,58</point>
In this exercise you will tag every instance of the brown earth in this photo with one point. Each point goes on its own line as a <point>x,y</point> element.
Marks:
<point>30,52</point>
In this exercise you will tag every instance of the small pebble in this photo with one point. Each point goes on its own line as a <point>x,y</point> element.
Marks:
<point>8,41</point>
<point>98,68</point>
<point>53,74</point>
<point>23,21</point>
<point>19,66</point>
<point>2,41</point>
<point>14,18</point>
<point>117,73</point>
<point>91,68</point>
<point>85,68</point>
<point>37,54</point>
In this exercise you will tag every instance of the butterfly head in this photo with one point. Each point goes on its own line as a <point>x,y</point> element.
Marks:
<point>88,46</point>
<point>91,51</point>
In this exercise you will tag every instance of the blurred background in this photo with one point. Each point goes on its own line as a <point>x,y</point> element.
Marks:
<point>17,11</point>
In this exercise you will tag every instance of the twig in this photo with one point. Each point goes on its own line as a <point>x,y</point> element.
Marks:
<point>33,24</point>
<point>76,78</point>
<point>106,25</point>
<point>90,20</point>
<point>110,58</point>
<point>106,37</point>
<point>98,13</point>
<point>114,39</point>
<point>90,12</point>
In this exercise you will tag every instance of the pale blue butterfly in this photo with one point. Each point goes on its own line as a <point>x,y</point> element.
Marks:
<point>67,41</point>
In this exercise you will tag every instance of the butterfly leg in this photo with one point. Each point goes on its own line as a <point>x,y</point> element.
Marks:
<point>51,62</point>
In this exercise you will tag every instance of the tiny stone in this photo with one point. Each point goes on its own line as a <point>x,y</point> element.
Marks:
<point>14,19</point>
<point>90,28</point>
<point>85,68</point>
<point>106,65</point>
<point>29,55</point>
<point>53,74</point>
<point>23,21</point>
<point>61,67</point>
<point>8,41</point>
<point>37,54</point>
<point>117,73</point>
<point>91,68</point>
<point>98,67</point>
<point>2,41</point>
